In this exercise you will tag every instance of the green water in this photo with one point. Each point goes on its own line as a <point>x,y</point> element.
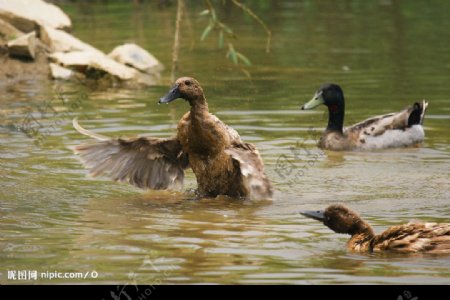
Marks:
<point>385,55</point>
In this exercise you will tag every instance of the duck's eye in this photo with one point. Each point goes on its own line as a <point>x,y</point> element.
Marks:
<point>187,82</point>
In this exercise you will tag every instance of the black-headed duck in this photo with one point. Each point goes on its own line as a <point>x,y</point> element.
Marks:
<point>406,238</point>
<point>222,163</point>
<point>399,129</point>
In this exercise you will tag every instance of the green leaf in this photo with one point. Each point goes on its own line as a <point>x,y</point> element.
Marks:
<point>204,12</point>
<point>244,59</point>
<point>206,31</point>
<point>246,73</point>
<point>227,29</point>
<point>233,56</point>
<point>221,39</point>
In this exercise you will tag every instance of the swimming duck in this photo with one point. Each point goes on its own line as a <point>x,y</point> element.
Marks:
<point>407,238</point>
<point>399,129</point>
<point>222,163</point>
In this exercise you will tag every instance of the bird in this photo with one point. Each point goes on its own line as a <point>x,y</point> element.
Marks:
<point>433,238</point>
<point>392,130</point>
<point>222,163</point>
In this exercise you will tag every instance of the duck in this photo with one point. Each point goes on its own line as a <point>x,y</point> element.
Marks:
<point>401,129</point>
<point>222,163</point>
<point>433,238</point>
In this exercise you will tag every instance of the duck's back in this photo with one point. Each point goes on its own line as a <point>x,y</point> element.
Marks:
<point>415,237</point>
<point>399,129</point>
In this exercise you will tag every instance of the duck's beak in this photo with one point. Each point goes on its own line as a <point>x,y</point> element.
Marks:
<point>314,214</point>
<point>314,102</point>
<point>173,94</point>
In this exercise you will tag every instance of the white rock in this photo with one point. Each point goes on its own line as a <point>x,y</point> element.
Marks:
<point>146,79</point>
<point>59,72</point>
<point>136,57</point>
<point>84,60</point>
<point>24,46</point>
<point>25,14</point>
<point>8,31</point>
<point>77,58</point>
<point>61,41</point>
<point>114,68</point>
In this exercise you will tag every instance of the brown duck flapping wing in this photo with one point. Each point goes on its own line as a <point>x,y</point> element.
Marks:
<point>419,237</point>
<point>251,168</point>
<point>144,161</point>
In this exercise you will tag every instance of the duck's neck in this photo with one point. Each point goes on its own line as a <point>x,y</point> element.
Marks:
<point>362,237</point>
<point>207,136</point>
<point>336,116</point>
<point>198,106</point>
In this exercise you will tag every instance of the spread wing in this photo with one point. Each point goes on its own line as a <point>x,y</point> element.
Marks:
<point>144,162</point>
<point>252,169</point>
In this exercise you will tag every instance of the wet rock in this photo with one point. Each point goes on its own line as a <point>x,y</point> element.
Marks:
<point>134,56</point>
<point>61,41</point>
<point>37,28</point>
<point>114,68</point>
<point>59,72</point>
<point>8,32</point>
<point>146,79</point>
<point>88,62</point>
<point>26,14</point>
<point>99,66</point>
<point>24,46</point>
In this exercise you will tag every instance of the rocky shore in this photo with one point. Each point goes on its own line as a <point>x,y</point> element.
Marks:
<point>35,42</point>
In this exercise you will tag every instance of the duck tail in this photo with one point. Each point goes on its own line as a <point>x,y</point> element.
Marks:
<point>418,113</point>
<point>87,132</point>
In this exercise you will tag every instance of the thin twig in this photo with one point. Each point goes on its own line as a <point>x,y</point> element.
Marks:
<point>257,19</point>
<point>187,19</point>
<point>210,6</point>
<point>176,41</point>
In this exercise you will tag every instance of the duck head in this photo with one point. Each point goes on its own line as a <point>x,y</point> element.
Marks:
<point>332,96</point>
<point>186,88</point>
<point>328,94</point>
<point>338,218</point>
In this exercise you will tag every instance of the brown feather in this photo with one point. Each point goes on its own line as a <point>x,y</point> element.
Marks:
<point>144,162</point>
<point>406,238</point>
<point>222,163</point>
<point>251,167</point>
<point>414,237</point>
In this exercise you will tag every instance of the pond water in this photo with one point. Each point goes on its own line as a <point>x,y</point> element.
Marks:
<point>385,54</point>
